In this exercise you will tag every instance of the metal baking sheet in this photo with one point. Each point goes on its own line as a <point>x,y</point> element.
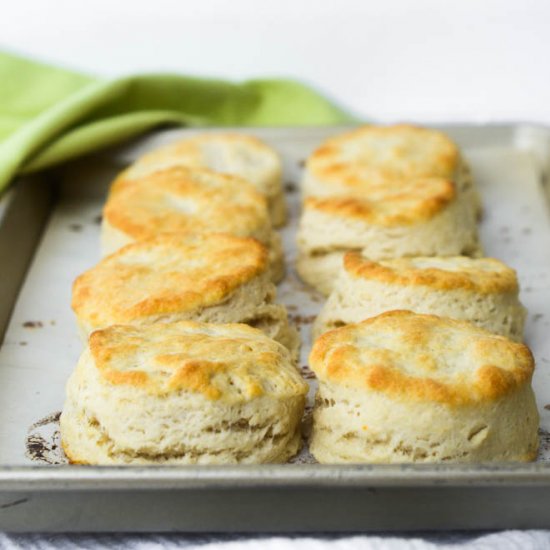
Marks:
<point>51,224</point>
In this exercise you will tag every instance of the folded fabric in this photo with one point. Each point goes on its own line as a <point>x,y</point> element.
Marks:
<point>49,115</point>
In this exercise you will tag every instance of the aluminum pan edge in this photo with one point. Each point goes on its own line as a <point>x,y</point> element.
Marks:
<point>273,476</point>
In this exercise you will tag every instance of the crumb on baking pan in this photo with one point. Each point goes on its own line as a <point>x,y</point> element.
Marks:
<point>307,373</point>
<point>33,324</point>
<point>303,319</point>
<point>291,187</point>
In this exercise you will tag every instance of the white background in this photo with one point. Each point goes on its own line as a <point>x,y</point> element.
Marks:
<point>386,59</point>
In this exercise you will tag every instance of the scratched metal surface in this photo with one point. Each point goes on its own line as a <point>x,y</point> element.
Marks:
<point>41,344</point>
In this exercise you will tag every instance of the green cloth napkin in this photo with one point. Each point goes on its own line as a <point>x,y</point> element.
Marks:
<point>49,115</point>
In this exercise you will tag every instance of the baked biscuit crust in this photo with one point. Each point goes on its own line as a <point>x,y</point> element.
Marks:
<point>374,155</point>
<point>182,393</point>
<point>169,273</point>
<point>415,357</point>
<point>404,387</point>
<point>481,275</point>
<point>231,362</point>
<point>187,200</point>
<point>230,153</point>
<point>395,203</point>
<point>482,291</point>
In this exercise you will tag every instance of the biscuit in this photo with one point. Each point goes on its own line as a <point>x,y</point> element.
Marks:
<point>423,217</point>
<point>374,155</point>
<point>184,200</point>
<point>173,277</point>
<point>182,393</point>
<point>405,387</point>
<point>483,291</point>
<point>230,153</point>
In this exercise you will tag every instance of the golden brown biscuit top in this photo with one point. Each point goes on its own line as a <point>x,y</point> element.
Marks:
<point>166,274</point>
<point>230,362</point>
<point>186,200</point>
<point>482,275</point>
<point>230,153</point>
<point>416,357</point>
<point>372,155</point>
<point>394,203</point>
